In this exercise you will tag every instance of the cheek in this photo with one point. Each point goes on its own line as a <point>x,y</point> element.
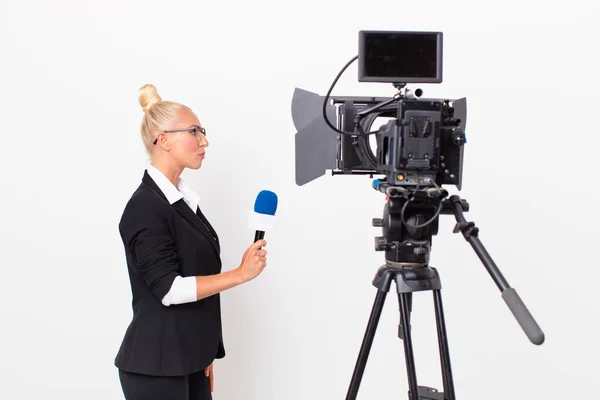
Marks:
<point>190,144</point>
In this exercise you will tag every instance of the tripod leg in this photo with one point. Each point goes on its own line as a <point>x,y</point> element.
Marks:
<point>443,344</point>
<point>365,348</point>
<point>404,299</point>
<point>400,329</point>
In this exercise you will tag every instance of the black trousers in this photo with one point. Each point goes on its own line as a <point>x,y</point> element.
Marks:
<point>144,387</point>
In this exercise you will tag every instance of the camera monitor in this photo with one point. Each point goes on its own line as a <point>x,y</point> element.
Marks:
<point>400,57</point>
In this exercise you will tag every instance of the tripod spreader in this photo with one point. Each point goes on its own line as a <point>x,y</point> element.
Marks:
<point>408,281</point>
<point>510,296</point>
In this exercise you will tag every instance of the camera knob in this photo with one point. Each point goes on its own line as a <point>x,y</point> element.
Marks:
<point>377,222</point>
<point>420,253</point>
<point>459,138</point>
<point>380,243</point>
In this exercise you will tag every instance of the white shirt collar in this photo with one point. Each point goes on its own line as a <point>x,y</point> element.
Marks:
<point>171,192</point>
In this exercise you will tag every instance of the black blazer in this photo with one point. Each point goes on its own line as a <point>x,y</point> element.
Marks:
<point>162,241</point>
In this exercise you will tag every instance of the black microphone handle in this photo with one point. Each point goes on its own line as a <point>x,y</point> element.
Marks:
<point>259,235</point>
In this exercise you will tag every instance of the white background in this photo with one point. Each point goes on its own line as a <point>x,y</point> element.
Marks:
<point>71,156</point>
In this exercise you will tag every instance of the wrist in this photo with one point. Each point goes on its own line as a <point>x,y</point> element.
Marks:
<point>238,275</point>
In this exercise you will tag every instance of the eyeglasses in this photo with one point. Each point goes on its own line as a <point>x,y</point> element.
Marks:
<point>194,129</point>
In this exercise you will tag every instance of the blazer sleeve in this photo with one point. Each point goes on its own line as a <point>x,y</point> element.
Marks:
<point>221,349</point>
<point>145,231</point>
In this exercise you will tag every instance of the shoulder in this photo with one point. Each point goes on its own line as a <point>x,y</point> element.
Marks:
<point>145,208</point>
<point>146,197</point>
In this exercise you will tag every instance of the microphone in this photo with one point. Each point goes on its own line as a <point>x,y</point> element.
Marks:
<point>263,218</point>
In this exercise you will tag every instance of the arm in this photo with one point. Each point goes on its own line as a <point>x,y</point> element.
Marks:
<point>253,262</point>
<point>194,288</point>
<point>209,285</point>
<point>145,229</point>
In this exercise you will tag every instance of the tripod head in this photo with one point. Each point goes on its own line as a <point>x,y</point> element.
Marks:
<point>411,219</point>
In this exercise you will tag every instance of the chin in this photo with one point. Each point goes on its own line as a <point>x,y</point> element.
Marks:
<point>197,165</point>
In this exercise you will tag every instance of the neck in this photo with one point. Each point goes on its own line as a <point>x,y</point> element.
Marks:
<point>171,171</point>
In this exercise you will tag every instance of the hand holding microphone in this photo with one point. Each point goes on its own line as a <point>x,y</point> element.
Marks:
<point>262,219</point>
<point>254,261</point>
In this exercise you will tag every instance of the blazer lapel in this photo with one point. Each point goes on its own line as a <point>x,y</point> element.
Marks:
<point>188,214</point>
<point>198,220</point>
<point>209,227</point>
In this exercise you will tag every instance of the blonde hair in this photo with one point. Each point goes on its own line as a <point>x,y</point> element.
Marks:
<point>158,114</point>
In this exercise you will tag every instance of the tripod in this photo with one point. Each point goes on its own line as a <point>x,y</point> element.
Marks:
<point>409,222</point>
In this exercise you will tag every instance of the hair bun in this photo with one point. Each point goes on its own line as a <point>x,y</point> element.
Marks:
<point>148,96</point>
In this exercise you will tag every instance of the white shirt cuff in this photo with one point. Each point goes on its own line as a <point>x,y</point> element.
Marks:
<point>183,290</point>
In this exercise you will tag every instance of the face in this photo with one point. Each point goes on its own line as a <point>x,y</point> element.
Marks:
<point>186,147</point>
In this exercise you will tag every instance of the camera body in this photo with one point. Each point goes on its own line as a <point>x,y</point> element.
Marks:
<point>422,143</point>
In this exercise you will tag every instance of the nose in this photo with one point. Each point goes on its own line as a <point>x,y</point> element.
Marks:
<point>203,141</point>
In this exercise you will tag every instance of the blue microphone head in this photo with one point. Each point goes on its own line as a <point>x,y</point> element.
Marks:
<point>266,203</point>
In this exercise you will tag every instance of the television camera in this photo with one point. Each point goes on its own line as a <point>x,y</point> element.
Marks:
<point>417,151</point>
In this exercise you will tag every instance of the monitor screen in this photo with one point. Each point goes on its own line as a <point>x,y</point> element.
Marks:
<point>400,57</point>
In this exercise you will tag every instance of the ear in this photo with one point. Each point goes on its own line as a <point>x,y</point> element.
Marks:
<point>163,141</point>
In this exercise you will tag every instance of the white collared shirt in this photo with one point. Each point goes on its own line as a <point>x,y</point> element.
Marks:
<point>183,289</point>
<point>171,192</point>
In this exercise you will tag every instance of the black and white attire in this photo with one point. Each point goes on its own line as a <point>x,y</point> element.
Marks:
<point>172,336</point>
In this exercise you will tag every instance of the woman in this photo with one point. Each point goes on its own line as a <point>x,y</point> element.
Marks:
<point>173,258</point>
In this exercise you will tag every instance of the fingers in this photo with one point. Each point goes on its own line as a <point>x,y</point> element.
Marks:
<point>258,257</point>
<point>254,260</point>
<point>259,243</point>
<point>208,372</point>
<point>258,253</point>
